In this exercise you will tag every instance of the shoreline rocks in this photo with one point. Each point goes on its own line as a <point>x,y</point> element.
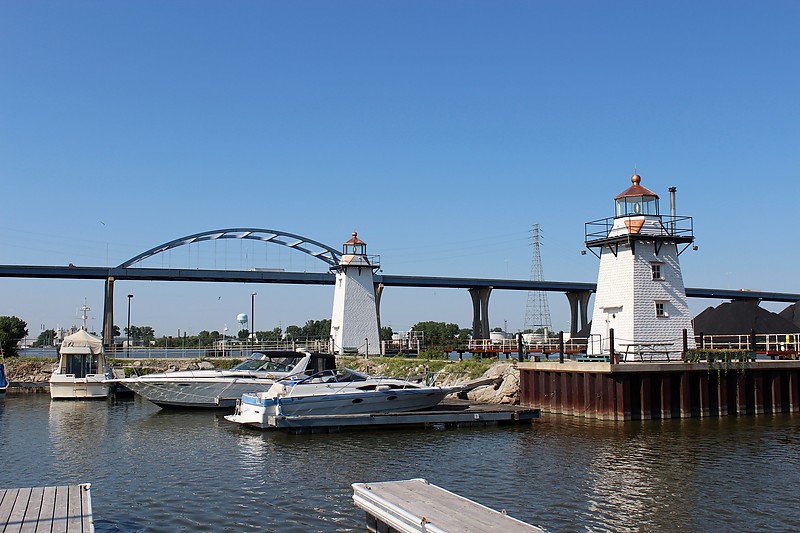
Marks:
<point>34,376</point>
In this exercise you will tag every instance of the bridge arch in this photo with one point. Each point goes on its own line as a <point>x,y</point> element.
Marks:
<point>315,249</point>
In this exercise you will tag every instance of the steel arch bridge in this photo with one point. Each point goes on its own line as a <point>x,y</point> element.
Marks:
<point>315,249</point>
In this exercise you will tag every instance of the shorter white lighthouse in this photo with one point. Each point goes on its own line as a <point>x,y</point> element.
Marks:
<point>354,322</point>
<point>640,292</point>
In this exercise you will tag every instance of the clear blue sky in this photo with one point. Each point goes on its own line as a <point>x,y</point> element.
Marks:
<point>441,131</point>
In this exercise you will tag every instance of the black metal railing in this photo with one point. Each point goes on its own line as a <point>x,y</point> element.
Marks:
<point>668,226</point>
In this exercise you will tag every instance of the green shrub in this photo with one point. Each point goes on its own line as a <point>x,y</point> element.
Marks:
<point>721,360</point>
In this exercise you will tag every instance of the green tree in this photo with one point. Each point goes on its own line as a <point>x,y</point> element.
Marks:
<point>294,332</point>
<point>386,333</point>
<point>205,338</point>
<point>269,336</point>
<point>437,330</point>
<point>317,329</point>
<point>12,330</point>
<point>243,334</point>
<point>45,338</point>
<point>141,334</point>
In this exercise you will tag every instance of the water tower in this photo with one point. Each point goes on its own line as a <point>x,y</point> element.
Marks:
<point>242,319</point>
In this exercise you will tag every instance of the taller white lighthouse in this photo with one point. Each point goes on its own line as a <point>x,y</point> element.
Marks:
<point>354,322</point>
<point>640,292</point>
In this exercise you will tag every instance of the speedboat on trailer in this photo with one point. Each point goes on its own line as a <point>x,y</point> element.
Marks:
<point>222,388</point>
<point>336,392</point>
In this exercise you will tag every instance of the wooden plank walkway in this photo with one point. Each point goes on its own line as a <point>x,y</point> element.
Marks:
<point>415,505</point>
<point>63,509</point>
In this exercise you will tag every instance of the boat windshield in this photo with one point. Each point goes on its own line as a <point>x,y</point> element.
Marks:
<point>261,361</point>
<point>80,365</point>
<point>339,375</point>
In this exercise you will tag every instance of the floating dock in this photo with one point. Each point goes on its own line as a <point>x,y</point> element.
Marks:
<point>64,509</point>
<point>416,505</point>
<point>449,414</point>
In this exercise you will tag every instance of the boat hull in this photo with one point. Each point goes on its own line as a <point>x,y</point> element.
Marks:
<point>213,389</point>
<point>68,387</point>
<point>198,393</point>
<point>258,412</point>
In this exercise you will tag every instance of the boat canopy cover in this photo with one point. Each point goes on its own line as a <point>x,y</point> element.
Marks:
<point>82,342</point>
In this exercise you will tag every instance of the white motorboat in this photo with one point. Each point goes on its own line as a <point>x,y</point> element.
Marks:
<point>336,392</point>
<point>222,388</point>
<point>81,371</point>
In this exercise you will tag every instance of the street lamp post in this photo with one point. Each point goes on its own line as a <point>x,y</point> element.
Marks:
<point>252,320</point>
<point>128,346</point>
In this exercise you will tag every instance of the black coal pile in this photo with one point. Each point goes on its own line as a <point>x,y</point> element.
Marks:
<point>792,314</point>
<point>739,317</point>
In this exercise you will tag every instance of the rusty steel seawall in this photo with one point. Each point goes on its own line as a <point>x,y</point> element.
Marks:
<point>643,391</point>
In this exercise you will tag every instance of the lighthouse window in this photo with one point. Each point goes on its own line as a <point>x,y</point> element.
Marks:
<point>661,309</point>
<point>656,270</point>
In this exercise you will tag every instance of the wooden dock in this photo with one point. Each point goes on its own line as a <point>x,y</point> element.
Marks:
<point>416,505</point>
<point>449,414</point>
<point>64,509</point>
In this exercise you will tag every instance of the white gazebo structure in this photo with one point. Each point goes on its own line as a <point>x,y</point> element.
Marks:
<point>640,305</point>
<point>354,322</point>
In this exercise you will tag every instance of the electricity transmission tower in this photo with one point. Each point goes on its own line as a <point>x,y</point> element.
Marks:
<point>537,311</point>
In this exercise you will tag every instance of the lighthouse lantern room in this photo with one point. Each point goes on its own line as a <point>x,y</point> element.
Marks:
<point>354,321</point>
<point>640,292</point>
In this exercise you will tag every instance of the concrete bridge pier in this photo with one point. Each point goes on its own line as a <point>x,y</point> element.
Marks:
<point>108,313</point>
<point>578,309</point>
<point>378,292</point>
<point>480,312</point>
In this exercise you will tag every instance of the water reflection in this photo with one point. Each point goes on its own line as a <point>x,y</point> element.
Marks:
<point>156,470</point>
<point>78,429</point>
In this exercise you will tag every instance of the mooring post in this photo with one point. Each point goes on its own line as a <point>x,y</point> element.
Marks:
<point>685,344</point>
<point>611,345</point>
<point>520,348</point>
<point>561,347</point>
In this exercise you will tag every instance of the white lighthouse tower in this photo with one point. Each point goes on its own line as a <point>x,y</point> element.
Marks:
<point>640,292</point>
<point>354,322</point>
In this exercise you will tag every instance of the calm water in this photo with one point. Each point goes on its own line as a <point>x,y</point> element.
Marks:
<point>154,470</point>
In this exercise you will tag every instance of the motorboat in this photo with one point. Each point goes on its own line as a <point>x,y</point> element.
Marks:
<point>3,380</point>
<point>222,388</point>
<point>81,372</point>
<point>336,392</point>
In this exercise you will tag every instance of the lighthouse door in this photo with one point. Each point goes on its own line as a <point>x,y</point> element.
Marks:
<point>612,318</point>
